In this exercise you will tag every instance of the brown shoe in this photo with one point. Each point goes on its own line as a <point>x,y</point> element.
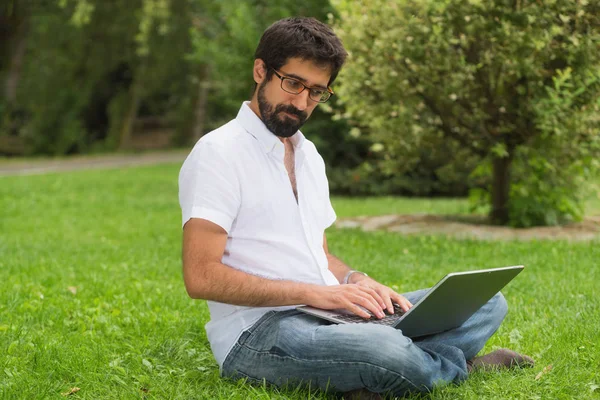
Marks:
<point>499,359</point>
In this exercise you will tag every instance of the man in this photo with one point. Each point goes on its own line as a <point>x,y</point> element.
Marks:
<point>255,205</point>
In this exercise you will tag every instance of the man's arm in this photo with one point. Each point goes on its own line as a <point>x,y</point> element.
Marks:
<point>385,295</point>
<point>207,278</point>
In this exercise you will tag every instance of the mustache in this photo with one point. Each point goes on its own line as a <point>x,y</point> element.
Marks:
<point>302,115</point>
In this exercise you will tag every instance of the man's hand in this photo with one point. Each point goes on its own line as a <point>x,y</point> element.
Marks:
<point>368,290</point>
<point>354,298</point>
<point>364,294</point>
<point>386,294</point>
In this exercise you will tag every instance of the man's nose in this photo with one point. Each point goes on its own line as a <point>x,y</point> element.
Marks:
<point>301,101</point>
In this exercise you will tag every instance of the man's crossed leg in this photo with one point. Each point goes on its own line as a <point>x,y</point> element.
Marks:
<point>291,348</point>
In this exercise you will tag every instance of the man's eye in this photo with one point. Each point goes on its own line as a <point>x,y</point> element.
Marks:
<point>317,92</point>
<point>292,84</point>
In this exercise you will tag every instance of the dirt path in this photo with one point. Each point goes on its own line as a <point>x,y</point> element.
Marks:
<point>44,166</point>
<point>467,228</point>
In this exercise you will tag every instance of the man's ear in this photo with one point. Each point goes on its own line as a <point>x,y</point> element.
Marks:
<point>259,71</point>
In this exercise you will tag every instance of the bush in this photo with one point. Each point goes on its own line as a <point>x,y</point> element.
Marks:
<point>514,85</point>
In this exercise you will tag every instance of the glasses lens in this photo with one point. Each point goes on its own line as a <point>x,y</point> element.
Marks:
<point>291,85</point>
<point>321,97</point>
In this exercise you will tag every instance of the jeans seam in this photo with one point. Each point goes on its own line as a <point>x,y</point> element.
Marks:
<point>330,362</point>
<point>245,375</point>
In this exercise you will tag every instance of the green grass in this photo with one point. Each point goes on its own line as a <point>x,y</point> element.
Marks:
<point>130,331</point>
<point>352,206</point>
<point>356,206</point>
<point>592,206</point>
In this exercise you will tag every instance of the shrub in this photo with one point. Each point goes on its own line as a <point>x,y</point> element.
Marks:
<point>515,85</point>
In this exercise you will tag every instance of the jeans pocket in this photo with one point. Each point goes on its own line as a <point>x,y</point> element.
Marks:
<point>229,363</point>
<point>250,331</point>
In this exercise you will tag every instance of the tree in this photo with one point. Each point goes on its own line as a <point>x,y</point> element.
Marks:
<point>225,36</point>
<point>514,83</point>
<point>90,69</point>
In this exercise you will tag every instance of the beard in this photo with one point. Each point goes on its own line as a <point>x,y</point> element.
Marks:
<point>283,126</point>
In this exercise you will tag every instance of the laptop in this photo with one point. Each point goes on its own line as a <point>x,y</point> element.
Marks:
<point>445,306</point>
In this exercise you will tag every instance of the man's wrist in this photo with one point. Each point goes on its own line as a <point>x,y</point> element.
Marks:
<point>304,293</point>
<point>350,273</point>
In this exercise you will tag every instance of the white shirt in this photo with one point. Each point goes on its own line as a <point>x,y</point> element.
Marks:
<point>235,177</point>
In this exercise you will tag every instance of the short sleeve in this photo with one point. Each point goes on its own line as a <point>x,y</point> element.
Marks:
<point>209,187</point>
<point>330,215</point>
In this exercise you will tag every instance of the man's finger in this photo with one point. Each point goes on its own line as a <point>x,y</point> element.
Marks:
<point>376,295</point>
<point>353,308</point>
<point>403,302</point>
<point>370,304</point>
<point>389,305</point>
<point>384,296</point>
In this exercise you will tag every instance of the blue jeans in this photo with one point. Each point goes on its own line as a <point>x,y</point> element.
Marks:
<point>292,348</point>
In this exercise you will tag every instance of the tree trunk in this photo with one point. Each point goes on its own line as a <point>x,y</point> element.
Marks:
<point>200,115</point>
<point>131,115</point>
<point>500,189</point>
<point>14,45</point>
<point>16,66</point>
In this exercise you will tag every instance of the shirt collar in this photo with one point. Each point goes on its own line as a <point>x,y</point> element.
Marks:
<point>256,127</point>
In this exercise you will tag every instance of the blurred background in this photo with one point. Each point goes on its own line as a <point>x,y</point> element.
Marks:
<point>498,102</point>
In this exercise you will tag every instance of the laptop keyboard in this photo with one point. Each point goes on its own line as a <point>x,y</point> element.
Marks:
<point>389,319</point>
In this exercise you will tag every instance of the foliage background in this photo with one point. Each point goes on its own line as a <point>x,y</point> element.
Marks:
<point>109,66</point>
<point>509,90</point>
<point>435,95</point>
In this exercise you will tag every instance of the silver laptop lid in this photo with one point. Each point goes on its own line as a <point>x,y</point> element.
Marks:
<point>454,299</point>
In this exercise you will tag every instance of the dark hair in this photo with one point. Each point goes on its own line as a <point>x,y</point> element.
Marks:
<point>304,38</point>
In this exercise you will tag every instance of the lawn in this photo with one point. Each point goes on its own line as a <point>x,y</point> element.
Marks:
<point>91,294</point>
<point>350,207</point>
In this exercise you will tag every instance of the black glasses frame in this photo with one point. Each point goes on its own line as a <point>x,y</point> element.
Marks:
<point>304,87</point>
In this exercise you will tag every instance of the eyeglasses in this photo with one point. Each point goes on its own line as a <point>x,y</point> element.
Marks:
<point>294,86</point>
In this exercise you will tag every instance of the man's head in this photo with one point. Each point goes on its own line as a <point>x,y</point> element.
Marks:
<point>294,55</point>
